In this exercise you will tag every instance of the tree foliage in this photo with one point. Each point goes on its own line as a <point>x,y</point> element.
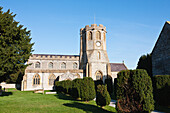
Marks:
<point>162,89</point>
<point>15,47</point>
<point>134,91</point>
<point>76,88</point>
<point>102,96</point>
<point>145,62</point>
<point>109,84</point>
<point>88,89</point>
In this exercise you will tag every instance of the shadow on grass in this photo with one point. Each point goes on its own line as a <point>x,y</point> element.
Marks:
<point>87,107</point>
<point>6,94</point>
<point>64,97</point>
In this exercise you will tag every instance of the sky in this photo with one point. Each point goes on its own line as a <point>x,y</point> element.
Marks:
<point>133,26</point>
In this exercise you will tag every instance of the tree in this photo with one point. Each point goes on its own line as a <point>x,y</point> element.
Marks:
<point>87,89</point>
<point>109,83</point>
<point>162,89</point>
<point>145,62</point>
<point>76,88</point>
<point>102,96</point>
<point>134,91</point>
<point>15,47</point>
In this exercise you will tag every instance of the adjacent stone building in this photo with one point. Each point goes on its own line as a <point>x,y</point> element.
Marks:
<point>92,62</point>
<point>161,52</point>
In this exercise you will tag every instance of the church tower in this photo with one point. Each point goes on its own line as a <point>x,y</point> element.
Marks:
<point>93,55</point>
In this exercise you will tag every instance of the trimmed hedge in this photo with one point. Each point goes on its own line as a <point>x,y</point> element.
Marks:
<point>115,89</point>
<point>78,88</point>
<point>109,84</point>
<point>98,82</point>
<point>102,96</point>
<point>88,89</point>
<point>134,91</point>
<point>63,86</point>
<point>162,89</point>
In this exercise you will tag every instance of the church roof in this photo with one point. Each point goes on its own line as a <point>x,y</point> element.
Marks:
<point>166,26</point>
<point>117,67</point>
<point>55,55</point>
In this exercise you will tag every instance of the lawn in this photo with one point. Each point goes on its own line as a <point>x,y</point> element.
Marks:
<point>28,102</point>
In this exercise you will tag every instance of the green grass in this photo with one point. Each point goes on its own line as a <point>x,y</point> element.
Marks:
<point>16,101</point>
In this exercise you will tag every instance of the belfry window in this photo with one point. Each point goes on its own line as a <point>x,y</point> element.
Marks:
<point>104,36</point>
<point>37,65</point>
<point>98,35</point>
<point>63,65</point>
<point>36,80</point>
<point>50,65</point>
<point>98,55</point>
<point>74,65</point>
<point>90,35</point>
<point>52,79</point>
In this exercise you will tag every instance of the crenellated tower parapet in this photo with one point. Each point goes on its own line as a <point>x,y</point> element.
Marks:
<point>93,48</point>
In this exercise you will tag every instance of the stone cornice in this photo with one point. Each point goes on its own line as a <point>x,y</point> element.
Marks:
<point>52,71</point>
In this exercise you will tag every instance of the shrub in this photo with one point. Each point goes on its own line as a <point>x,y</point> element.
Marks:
<point>102,96</point>
<point>162,89</point>
<point>97,82</point>
<point>109,84</point>
<point>87,89</point>
<point>76,86</point>
<point>134,91</point>
<point>68,86</point>
<point>63,86</point>
<point>115,89</point>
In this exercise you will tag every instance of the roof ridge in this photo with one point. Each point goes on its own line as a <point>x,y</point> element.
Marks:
<point>168,22</point>
<point>116,63</point>
<point>56,54</point>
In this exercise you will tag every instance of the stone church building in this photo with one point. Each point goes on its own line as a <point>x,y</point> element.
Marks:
<point>92,62</point>
<point>161,52</point>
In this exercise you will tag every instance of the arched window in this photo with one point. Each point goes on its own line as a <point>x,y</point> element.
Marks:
<point>98,35</point>
<point>36,79</point>
<point>52,79</point>
<point>50,65</point>
<point>90,35</point>
<point>104,36</point>
<point>98,55</point>
<point>74,65</point>
<point>63,65</point>
<point>99,75</point>
<point>37,65</point>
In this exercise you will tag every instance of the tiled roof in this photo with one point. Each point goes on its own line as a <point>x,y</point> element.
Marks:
<point>117,67</point>
<point>55,55</point>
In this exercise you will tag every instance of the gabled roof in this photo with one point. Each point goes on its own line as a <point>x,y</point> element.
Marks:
<point>117,67</point>
<point>167,23</point>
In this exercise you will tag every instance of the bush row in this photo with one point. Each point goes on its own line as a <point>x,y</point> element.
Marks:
<point>162,89</point>
<point>78,88</point>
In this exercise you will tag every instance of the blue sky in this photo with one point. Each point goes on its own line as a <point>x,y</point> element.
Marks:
<point>133,26</point>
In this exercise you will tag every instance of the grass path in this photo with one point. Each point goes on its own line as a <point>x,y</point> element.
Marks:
<point>28,102</point>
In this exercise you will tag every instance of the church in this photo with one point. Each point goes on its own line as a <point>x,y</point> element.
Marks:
<point>92,62</point>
